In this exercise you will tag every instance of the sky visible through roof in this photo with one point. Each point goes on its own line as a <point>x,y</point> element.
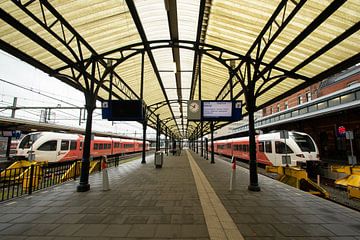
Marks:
<point>34,88</point>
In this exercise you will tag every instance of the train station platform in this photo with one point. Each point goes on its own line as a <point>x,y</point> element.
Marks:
<point>188,198</point>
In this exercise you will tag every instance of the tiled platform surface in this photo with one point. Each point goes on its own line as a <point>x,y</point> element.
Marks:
<point>149,203</point>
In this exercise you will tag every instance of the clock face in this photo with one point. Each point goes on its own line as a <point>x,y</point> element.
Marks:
<point>194,107</point>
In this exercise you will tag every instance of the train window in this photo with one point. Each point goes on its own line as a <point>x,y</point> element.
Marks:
<point>28,140</point>
<point>109,146</point>
<point>261,147</point>
<point>228,145</point>
<point>304,142</point>
<point>268,147</point>
<point>73,145</point>
<point>48,146</point>
<point>281,148</point>
<point>64,145</point>
<point>81,145</point>
<point>101,146</point>
<point>96,146</point>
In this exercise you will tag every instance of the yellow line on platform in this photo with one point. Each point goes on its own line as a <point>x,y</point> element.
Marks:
<point>219,223</point>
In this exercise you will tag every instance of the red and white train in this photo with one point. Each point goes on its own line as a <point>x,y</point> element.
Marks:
<point>271,149</point>
<point>57,147</point>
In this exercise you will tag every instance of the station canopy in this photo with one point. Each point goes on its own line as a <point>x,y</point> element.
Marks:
<point>267,49</point>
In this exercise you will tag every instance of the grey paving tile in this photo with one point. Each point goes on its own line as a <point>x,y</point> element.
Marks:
<point>343,229</point>
<point>65,230</point>
<point>115,230</point>
<point>41,229</point>
<point>70,218</point>
<point>142,231</point>
<point>168,231</point>
<point>18,237</point>
<point>194,231</point>
<point>17,229</point>
<point>136,219</point>
<point>90,230</point>
<point>48,218</point>
<point>4,225</point>
<point>26,218</point>
<point>8,217</point>
<point>159,219</point>
<point>92,218</point>
<point>39,238</point>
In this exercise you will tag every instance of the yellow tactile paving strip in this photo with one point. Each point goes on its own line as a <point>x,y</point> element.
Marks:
<point>219,223</point>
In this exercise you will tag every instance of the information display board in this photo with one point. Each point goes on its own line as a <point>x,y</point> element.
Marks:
<point>123,110</point>
<point>212,110</point>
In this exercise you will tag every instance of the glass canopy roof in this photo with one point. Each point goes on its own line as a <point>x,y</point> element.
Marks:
<point>272,48</point>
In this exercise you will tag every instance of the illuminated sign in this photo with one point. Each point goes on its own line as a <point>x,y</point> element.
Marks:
<point>211,110</point>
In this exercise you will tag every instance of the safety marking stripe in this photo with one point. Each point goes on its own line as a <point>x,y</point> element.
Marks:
<point>218,221</point>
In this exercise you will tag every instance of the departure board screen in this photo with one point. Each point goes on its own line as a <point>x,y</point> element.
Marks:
<point>217,109</point>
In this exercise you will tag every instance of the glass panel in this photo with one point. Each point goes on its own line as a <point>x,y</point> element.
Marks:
<point>268,147</point>
<point>304,142</point>
<point>73,145</point>
<point>281,148</point>
<point>313,108</point>
<point>322,105</point>
<point>348,98</point>
<point>295,113</point>
<point>64,145</point>
<point>48,146</point>
<point>303,111</point>
<point>334,102</point>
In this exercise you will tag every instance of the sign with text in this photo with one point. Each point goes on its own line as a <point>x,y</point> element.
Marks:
<point>212,110</point>
<point>123,110</point>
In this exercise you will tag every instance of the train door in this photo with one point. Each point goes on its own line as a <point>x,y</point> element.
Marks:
<point>269,150</point>
<point>63,149</point>
<point>47,151</point>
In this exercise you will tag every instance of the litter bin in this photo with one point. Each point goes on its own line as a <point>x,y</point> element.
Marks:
<point>159,159</point>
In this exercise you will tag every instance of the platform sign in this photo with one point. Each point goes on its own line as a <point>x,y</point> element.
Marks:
<point>221,110</point>
<point>123,110</point>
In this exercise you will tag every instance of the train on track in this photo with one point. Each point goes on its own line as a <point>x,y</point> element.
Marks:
<point>299,149</point>
<point>58,147</point>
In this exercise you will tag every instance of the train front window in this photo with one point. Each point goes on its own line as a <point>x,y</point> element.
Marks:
<point>48,146</point>
<point>28,140</point>
<point>304,142</point>
<point>281,148</point>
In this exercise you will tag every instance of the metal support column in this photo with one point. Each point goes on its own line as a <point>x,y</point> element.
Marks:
<point>212,142</point>
<point>85,162</point>
<point>8,148</point>
<point>157,133</point>
<point>143,161</point>
<point>166,142</point>
<point>250,107</point>
<point>206,149</point>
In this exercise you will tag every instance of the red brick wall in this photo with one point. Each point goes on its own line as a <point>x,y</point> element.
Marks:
<point>315,93</point>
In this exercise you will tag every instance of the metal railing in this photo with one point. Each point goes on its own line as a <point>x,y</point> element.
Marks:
<point>27,177</point>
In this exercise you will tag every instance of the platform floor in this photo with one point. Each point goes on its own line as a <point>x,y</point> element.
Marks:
<point>170,203</point>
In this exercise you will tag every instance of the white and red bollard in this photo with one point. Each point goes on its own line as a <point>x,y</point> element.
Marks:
<point>105,176</point>
<point>233,173</point>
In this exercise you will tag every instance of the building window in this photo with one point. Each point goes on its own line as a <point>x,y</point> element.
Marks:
<point>278,108</point>
<point>271,110</point>
<point>300,101</point>
<point>286,105</point>
<point>308,96</point>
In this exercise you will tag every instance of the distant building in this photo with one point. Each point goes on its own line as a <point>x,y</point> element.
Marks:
<point>338,81</point>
